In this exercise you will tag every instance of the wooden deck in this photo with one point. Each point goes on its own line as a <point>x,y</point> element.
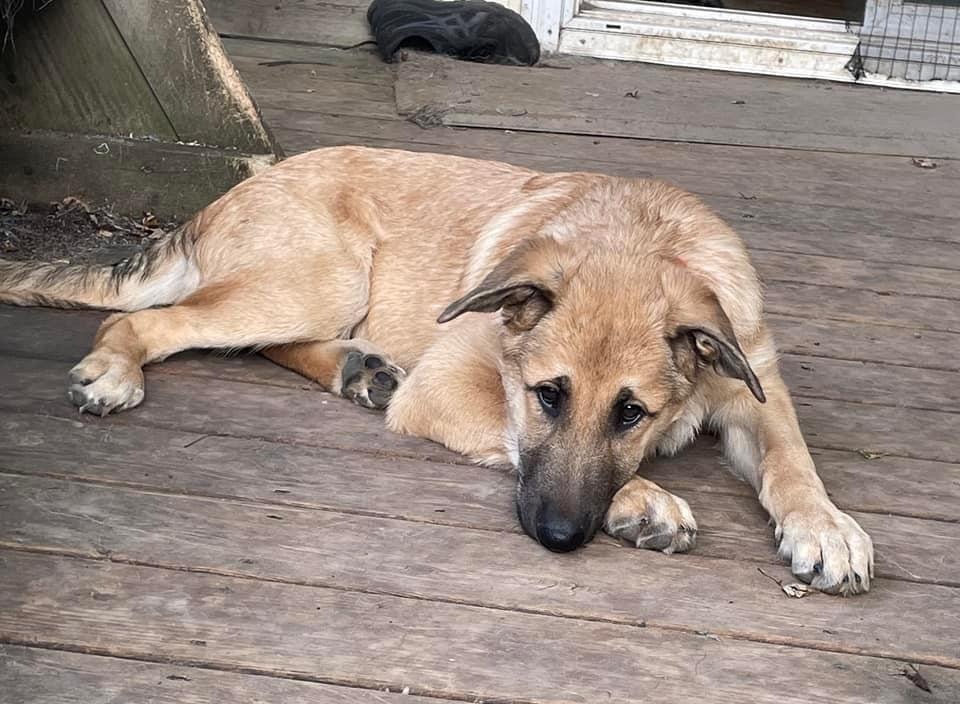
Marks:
<point>244,537</point>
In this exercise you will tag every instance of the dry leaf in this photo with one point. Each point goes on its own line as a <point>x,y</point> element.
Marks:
<point>913,674</point>
<point>797,590</point>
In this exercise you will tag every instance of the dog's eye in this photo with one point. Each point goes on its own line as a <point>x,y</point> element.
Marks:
<point>549,397</point>
<point>631,414</point>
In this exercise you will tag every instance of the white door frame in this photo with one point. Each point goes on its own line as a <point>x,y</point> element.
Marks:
<point>701,37</point>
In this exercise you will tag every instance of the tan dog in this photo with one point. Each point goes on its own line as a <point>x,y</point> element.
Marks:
<point>595,321</point>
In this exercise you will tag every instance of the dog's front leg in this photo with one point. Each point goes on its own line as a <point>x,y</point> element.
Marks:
<point>763,443</point>
<point>455,395</point>
<point>650,517</point>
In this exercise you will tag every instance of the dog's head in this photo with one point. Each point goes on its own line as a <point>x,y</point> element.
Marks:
<point>601,351</point>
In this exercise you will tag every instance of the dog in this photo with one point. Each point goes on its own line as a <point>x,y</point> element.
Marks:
<point>568,324</point>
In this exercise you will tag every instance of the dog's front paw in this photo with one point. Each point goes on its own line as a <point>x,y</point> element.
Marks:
<point>649,517</point>
<point>827,549</point>
<point>369,380</point>
<point>103,382</point>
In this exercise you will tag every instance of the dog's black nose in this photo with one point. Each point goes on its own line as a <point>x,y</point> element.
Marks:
<point>559,534</point>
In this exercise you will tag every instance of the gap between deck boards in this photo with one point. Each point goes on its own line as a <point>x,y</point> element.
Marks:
<point>733,525</point>
<point>737,634</point>
<point>274,628</point>
<point>35,386</point>
<point>41,673</point>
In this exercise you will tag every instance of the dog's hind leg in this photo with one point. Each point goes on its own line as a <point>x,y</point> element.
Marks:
<point>355,369</point>
<point>110,377</point>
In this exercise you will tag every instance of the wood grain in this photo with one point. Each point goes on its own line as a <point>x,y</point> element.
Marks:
<point>872,364</point>
<point>42,676</point>
<point>307,417</point>
<point>770,222</point>
<point>592,97</point>
<point>72,71</point>
<point>440,649</point>
<point>172,181</point>
<point>259,470</point>
<point>340,23</point>
<point>602,582</point>
<point>188,71</point>
<point>733,526</point>
<point>862,194</point>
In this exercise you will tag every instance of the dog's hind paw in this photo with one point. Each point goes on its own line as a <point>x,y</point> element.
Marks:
<point>103,382</point>
<point>369,380</point>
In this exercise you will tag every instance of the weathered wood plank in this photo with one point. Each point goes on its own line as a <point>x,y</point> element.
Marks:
<point>602,582</point>
<point>832,302</point>
<point>881,190</point>
<point>217,406</point>
<point>771,222</point>
<point>866,342</point>
<point>339,23</point>
<point>29,332</point>
<point>42,676</point>
<point>188,71</point>
<point>285,414</point>
<point>259,470</point>
<point>269,62</point>
<point>171,180</point>
<point>593,97</point>
<point>72,71</point>
<point>732,523</point>
<point>879,277</point>
<point>866,382</point>
<point>435,648</point>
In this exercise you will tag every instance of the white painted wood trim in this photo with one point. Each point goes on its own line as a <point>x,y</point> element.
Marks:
<point>546,17</point>
<point>708,38</point>
<point>726,40</point>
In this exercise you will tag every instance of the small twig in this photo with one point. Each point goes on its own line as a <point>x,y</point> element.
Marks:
<point>771,577</point>
<point>295,63</point>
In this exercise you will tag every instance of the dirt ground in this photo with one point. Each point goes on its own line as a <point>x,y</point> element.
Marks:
<point>72,231</point>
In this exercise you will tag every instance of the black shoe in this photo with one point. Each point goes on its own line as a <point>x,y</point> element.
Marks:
<point>474,30</point>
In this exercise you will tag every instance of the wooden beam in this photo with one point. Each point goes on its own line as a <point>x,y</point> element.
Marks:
<point>70,70</point>
<point>183,61</point>
<point>171,180</point>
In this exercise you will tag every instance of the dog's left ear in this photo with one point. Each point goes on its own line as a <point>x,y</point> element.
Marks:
<point>701,327</point>
<point>524,287</point>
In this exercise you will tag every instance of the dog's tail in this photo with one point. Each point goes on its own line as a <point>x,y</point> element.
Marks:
<point>160,274</point>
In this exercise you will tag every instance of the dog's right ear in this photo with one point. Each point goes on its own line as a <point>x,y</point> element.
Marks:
<point>523,287</point>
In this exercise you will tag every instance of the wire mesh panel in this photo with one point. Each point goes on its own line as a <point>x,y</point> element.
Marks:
<point>918,41</point>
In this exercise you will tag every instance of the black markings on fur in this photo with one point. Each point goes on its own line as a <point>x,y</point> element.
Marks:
<point>353,368</point>
<point>60,285</point>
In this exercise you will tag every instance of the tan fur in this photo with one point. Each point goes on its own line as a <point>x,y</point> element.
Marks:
<point>571,303</point>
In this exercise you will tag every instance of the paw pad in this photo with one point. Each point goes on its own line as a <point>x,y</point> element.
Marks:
<point>369,380</point>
